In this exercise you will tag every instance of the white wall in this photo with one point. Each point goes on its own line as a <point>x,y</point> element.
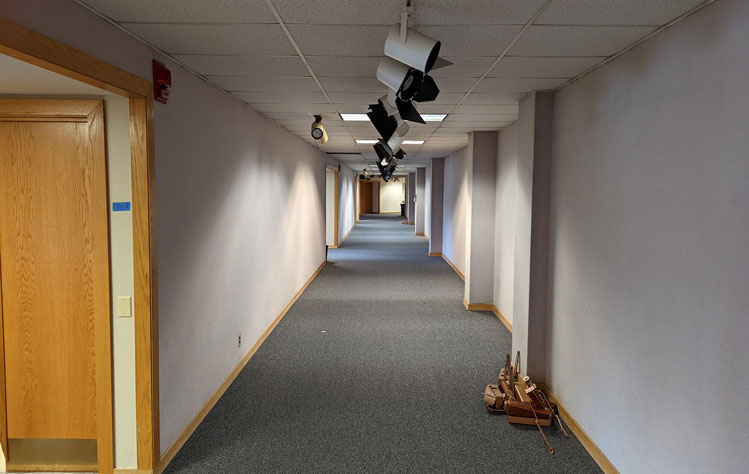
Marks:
<point>240,212</point>
<point>330,207</point>
<point>346,212</point>
<point>504,221</point>
<point>649,263</point>
<point>240,222</point>
<point>392,194</point>
<point>455,202</point>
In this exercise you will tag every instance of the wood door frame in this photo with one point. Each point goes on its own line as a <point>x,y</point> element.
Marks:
<point>29,46</point>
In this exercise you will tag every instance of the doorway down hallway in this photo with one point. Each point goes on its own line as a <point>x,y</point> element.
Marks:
<point>376,368</point>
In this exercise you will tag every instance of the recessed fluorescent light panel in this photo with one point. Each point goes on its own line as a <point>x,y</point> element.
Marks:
<point>366,142</point>
<point>354,118</point>
<point>413,142</point>
<point>433,117</point>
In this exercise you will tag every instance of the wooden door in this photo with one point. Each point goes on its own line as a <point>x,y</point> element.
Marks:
<point>54,273</point>
<point>365,195</point>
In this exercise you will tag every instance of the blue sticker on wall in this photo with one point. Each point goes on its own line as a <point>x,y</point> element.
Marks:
<point>120,206</point>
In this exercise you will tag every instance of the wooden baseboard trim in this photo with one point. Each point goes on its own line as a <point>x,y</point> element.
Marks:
<point>420,234</point>
<point>133,471</point>
<point>200,416</point>
<point>435,254</point>
<point>477,306</point>
<point>502,318</point>
<point>452,265</point>
<point>594,451</point>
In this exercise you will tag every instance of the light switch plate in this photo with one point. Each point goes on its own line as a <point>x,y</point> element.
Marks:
<point>124,307</point>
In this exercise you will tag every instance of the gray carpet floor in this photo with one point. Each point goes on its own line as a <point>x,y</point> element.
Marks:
<point>376,368</point>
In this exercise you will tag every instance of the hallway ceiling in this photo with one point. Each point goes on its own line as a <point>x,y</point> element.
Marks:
<point>502,49</point>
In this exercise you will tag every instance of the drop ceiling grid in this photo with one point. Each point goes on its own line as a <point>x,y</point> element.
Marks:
<point>239,46</point>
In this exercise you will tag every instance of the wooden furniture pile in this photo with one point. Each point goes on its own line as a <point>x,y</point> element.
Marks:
<point>522,401</point>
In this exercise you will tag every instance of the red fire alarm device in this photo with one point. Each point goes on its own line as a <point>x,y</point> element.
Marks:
<point>162,82</point>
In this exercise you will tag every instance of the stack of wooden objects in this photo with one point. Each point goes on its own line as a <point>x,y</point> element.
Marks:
<point>522,401</point>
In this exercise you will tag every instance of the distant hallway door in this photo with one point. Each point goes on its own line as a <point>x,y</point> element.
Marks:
<point>54,286</point>
<point>365,194</point>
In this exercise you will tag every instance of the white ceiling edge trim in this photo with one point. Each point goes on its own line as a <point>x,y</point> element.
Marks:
<point>633,45</point>
<point>189,69</point>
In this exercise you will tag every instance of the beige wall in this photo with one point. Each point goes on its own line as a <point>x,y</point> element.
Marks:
<point>392,194</point>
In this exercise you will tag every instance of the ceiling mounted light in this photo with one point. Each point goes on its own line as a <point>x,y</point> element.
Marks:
<point>433,117</point>
<point>354,117</point>
<point>418,50</point>
<point>386,150</point>
<point>366,142</point>
<point>412,142</point>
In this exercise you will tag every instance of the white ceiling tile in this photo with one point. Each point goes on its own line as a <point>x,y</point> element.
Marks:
<point>215,39</point>
<point>447,135</point>
<point>432,108</point>
<point>511,84</point>
<point>615,12</point>
<point>185,11</point>
<point>268,84</point>
<point>340,40</point>
<point>543,66</point>
<point>354,84</point>
<point>480,118</point>
<point>464,67</point>
<point>353,97</point>
<point>443,131</point>
<point>350,12</point>
<point>330,120</point>
<point>475,12</point>
<point>455,84</point>
<point>447,98</point>
<point>577,40</point>
<point>245,65</point>
<point>487,109</point>
<point>352,109</point>
<point>282,97</point>
<point>470,126</point>
<point>366,66</point>
<point>471,40</point>
<point>493,98</point>
<point>310,108</point>
<point>347,66</point>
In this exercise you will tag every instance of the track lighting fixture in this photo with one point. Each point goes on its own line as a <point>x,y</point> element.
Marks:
<point>410,55</point>
<point>418,50</point>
